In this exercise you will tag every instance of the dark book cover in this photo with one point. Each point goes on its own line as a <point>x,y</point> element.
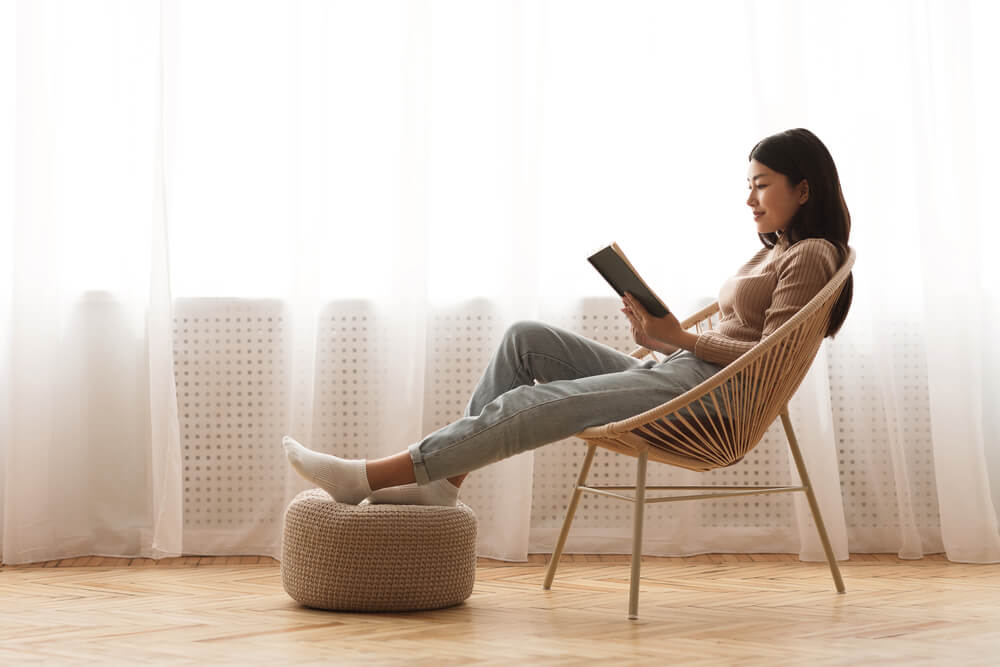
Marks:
<point>611,263</point>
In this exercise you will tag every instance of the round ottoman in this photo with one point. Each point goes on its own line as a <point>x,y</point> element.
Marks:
<point>377,557</point>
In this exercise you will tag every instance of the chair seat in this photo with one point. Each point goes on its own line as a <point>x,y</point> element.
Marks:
<point>680,439</point>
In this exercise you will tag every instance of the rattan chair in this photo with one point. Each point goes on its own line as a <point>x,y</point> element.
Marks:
<point>716,423</point>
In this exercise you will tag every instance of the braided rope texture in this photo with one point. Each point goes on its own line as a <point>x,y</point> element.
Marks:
<point>377,557</point>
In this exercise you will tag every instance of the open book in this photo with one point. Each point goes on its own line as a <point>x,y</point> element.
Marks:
<point>612,263</point>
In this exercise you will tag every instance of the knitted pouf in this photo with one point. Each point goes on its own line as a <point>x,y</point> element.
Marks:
<point>377,557</point>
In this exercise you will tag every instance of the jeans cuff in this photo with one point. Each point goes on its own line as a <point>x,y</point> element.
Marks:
<point>419,467</point>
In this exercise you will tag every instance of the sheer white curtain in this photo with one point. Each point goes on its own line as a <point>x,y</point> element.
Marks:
<point>392,162</point>
<point>89,440</point>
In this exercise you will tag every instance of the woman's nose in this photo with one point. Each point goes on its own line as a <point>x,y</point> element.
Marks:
<point>751,200</point>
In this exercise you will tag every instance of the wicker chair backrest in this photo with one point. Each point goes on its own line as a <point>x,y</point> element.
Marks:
<point>718,422</point>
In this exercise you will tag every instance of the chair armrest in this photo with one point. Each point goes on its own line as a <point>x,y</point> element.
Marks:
<point>702,315</point>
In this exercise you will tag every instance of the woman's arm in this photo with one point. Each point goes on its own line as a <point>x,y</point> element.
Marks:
<point>802,272</point>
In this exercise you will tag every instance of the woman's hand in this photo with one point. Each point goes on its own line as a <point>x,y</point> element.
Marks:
<point>641,339</point>
<point>648,330</point>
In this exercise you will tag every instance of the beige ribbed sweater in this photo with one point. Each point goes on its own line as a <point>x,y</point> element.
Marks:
<point>764,294</point>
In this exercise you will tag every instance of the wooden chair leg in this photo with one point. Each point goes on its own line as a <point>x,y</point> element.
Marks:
<point>640,507</point>
<point>581,480</point>
<point>813,505</point>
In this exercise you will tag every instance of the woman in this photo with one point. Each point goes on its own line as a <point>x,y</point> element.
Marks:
<point>804,225</point>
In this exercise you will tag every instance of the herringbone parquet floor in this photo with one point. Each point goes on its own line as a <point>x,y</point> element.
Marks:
<point>730,609</point>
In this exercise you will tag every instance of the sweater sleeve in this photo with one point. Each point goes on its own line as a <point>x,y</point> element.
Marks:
<point>806,268</point>
<point>717,348</point>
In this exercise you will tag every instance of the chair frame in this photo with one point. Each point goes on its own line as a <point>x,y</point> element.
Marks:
<point>621,437</point>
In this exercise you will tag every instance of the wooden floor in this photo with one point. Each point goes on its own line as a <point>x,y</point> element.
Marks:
<point>722,609</point>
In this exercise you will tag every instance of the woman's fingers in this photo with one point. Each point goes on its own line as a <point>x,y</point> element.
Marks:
<point>632,302</point>
<point>633,312</point>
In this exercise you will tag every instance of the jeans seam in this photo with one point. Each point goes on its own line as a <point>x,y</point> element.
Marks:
<point>549,356</point>
<point>530,407</point>
<point>520,358</point>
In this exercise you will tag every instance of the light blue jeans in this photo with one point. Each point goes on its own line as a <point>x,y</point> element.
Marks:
<point>586,383</point>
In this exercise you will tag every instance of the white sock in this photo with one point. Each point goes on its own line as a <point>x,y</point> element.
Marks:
<point>438,492</point>
<point>345,480</point>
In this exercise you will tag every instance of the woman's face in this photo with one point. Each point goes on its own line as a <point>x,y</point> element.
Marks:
<point>773,199</point>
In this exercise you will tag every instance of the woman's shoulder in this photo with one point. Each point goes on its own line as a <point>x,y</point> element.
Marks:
<point>812,251</point>
<point>813,245</point>
<point>778,257</point>
<point>759,259</point>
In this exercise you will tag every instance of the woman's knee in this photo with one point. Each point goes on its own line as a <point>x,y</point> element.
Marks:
<point>523,329</point>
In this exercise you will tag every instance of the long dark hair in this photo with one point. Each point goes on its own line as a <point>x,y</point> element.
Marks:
<point>799,154</point>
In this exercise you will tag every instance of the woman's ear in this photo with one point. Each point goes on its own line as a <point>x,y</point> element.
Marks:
<point>803,190</point>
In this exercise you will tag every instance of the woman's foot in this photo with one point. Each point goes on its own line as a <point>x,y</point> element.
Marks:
<point>438,492</point>
<point>345,480</point>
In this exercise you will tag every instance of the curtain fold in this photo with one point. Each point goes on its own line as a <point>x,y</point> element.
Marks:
<point>91,443</point>
<point>814,429</point>
<point>8,75</point>
<point>944,98</point>
<point>166,474</point>
<point>323,229</point>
